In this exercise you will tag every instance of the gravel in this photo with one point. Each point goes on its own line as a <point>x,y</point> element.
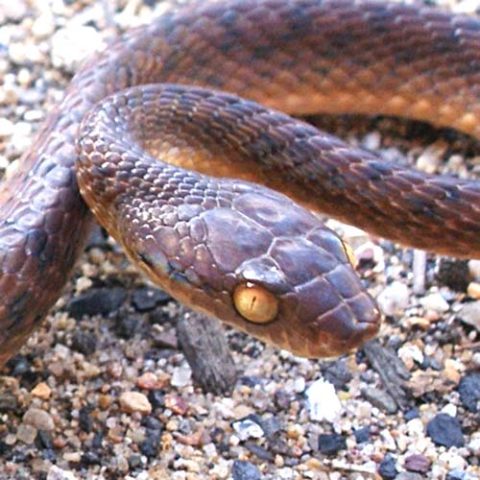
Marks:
<point>103,390</point>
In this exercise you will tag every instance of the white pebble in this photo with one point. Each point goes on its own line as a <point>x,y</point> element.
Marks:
<point>299,385</point>
<point>474,269</point>
<point>6,128</point>
<point>71,45</point>
<point>44,25</point>
<point>55,473</point>
<point>247,428</point>
<point>435,302</point>
<point>323,402</point>
<point>394,298</point>
<point>409,352</point>
<point>181,376</point>
<point>450,409</point>
<point>470,314</point>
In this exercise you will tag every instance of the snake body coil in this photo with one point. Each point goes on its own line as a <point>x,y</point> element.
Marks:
<point>223,246</point>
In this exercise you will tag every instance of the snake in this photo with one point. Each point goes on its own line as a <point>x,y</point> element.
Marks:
<point>185,140</point>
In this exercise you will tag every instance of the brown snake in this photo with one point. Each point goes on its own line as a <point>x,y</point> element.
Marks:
<point>230,248</point>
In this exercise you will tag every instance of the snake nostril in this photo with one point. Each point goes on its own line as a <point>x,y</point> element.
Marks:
<point>255,303</point>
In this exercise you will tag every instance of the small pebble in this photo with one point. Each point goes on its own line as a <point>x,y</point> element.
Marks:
<point>473,290</point>
<point>182,376</point>
<point>469,390</point>
<point>417,463</point>
<point>84,342</point>
<point>388,468</point>
<point>470,314</point>
<point>323,402</point>
<point>40,419</point>
<point>26,433</point>
<point>474,269</point>
<point>42,390</point>
<point>362,435</point>
<point>131,402</point>
<point>454,274</point>
<point>97,301</point>
<point>331,443</point>
<point>445,430</point>
<point>56,473</point>
<point>394,299</point>
<point>380,399</point>
<point>435,302</point>
<point>71,45</point>
<point>146,299</point>
<point>243,470</point>
<point>247,428</point>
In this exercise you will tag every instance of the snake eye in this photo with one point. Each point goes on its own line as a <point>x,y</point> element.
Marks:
<point>255,303</point>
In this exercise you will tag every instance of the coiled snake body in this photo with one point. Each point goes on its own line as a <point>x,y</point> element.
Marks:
<point>231,248</point>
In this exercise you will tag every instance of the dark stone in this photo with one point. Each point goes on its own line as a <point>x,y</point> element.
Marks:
<point>456,475</point>
<point>146,299</point>
<point>134,461</point>
<point>152,423</point>
<point>90,458</point>
<point>337,373</point>
<point>159,317</point>
<point>8,402</point>
<point>97,301</point>
<point>279,445</point>
<point>126,326</point>
<point>418,463</point>
<point>84,342</point>
<point>4,448</point>
<point>282,399</point>
<point>43,440</point>
<point>164,340</point>
<point>259,451</point>
<point>250,381</point>
<point>362,435</point>
<point>331,443</point>
<point>85,421</point>
<point>97,440</point>
<point>98,236</point>
<point>151,445</point>
<point>388,467</point>
<point>18,365</point>
<point>469,390</point>
<point>454,274</point>
<point>243,470</point>
<point>411,414</point>
<point>269,424</point>
<point>380,399</point>
<point>445,430</point>
<point>156,398</point>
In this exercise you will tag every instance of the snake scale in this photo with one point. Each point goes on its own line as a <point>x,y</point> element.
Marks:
<point>188,90</point>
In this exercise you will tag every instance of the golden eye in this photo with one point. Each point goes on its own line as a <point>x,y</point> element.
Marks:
<point>255,303</point>
<point>350,254</point>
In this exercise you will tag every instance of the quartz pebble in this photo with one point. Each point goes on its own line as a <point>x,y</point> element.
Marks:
<point>470,314</point>
<point>71,45</point>
<point>435,302</point>
<point>394,299</point>
<point>40,419</point>
<point>131,402</point>
<point>322,401</point>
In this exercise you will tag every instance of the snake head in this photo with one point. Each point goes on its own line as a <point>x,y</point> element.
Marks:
<point>263,264</point>
<point>302,293</point>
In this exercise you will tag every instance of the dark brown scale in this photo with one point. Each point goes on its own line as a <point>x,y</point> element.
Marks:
<point>302,57</point>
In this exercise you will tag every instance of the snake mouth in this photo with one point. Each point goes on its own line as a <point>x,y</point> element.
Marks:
<point>341,330</point>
